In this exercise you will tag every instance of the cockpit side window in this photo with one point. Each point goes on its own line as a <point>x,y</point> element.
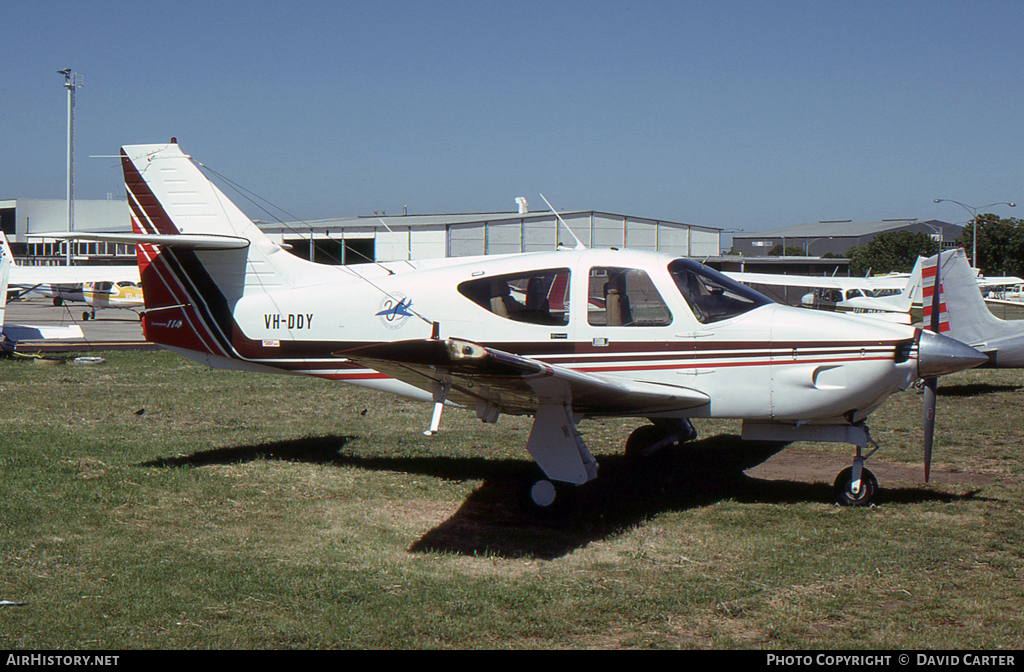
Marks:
<point>535,297</point>
<point>624,297</point>
<point>712,296</point>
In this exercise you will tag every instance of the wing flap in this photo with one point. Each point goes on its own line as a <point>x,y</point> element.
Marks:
<point>517,385</point>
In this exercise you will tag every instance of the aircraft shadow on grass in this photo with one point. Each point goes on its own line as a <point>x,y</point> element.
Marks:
<point>975,389</point>
<point>496,519</point>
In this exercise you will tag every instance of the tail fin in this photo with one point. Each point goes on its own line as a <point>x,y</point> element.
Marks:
<point>169,196</point>
<point>198,254</point>
<point>900,304</point>
<point>969,319</point>
<point>909,295</point>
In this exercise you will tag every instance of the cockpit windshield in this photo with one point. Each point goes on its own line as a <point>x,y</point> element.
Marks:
<point>712,296</point>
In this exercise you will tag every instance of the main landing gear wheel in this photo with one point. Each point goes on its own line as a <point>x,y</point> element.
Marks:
<point>642,441</point>
<point>647,440</point>
<point>844,488</point>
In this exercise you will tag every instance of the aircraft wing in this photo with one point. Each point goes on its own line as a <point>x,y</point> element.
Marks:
<point>517,385</point>
<point>999,281</point>
<point>23,276</point>
<point>11,333</point>
<point>822,281</point>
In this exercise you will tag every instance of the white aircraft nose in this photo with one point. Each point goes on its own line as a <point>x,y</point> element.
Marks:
<point>938,355</point>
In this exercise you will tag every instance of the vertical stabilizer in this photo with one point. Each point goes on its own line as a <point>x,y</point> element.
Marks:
<point>968,318</point>
<point>169,195</point>
<point>911,293</point>
<point>191,290</point>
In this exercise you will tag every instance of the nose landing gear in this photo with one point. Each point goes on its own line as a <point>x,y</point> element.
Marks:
<point>855,485</point>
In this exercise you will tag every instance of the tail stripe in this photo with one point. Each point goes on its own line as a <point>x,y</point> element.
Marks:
<point>159,264</point>
<point>928,273</point>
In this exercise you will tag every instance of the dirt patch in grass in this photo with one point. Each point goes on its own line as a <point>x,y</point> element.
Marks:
<point>793,464</point>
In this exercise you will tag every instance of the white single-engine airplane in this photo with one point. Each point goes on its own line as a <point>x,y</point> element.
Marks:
<point>559,335</point>
<point>10,334</point>
<point>969,320</point>
<point>887,297</point>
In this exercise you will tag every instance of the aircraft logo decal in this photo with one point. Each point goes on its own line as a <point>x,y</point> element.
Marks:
<point>394,310</point>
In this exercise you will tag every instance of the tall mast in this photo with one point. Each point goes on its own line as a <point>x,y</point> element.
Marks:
<point>72,81</point>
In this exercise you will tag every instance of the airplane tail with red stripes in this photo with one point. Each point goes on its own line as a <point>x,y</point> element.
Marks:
<point>968,318</point>
<point>929,274</point>
<point>198,256</point>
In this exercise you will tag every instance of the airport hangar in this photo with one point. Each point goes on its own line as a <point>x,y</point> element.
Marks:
<point>381,238</point>
<point>375,238</point>
<point>838,237</point>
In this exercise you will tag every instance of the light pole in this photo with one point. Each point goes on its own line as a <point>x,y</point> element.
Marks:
<point>72,81</point>
<point>807,244</point>
<point>974,223</point>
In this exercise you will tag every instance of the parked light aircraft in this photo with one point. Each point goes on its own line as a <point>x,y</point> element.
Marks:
<point>887,297</point>
<point>125,294</point>
<point>970,320</point>
<point>98,287</point>
<point>626,333</point>
<point>12,333</point>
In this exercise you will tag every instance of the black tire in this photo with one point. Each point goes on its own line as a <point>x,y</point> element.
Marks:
<point>640,440</point>
<point>844,481</point>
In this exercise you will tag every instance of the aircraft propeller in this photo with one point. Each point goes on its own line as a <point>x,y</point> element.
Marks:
<point>931,384</point>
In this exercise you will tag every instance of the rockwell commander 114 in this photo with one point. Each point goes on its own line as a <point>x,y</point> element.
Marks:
<point>560,336</point>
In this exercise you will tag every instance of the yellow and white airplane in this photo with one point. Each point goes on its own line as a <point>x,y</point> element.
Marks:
<point>125,294</point>
<point>98,287</point>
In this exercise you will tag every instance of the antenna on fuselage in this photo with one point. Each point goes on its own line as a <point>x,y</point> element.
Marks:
<point>408,246</point>
<point>579,245</point>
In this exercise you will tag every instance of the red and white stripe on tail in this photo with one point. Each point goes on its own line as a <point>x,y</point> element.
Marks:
<point>928,273</point>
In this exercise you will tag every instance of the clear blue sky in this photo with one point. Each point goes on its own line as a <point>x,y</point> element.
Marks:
<point>740,115</point>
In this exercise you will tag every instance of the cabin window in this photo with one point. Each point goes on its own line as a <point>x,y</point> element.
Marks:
<point>712,296</point>
<point>828,295</point>
<point>535,297</point>
<point>624,297</point>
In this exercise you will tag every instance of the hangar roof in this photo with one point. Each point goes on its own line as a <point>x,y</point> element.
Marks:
<point>455,218</point>
<point>840,228</point>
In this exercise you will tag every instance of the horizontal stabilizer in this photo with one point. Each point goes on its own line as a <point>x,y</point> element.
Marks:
<point>193,241</point>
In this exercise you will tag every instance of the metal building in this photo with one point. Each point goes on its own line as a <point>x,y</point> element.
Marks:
<point>401,237</point>
<point>840,236</point>
<point>354,240</point>
<point>22,216</point>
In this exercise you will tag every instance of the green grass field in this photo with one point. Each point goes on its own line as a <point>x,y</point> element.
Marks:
<point>150,502</point>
